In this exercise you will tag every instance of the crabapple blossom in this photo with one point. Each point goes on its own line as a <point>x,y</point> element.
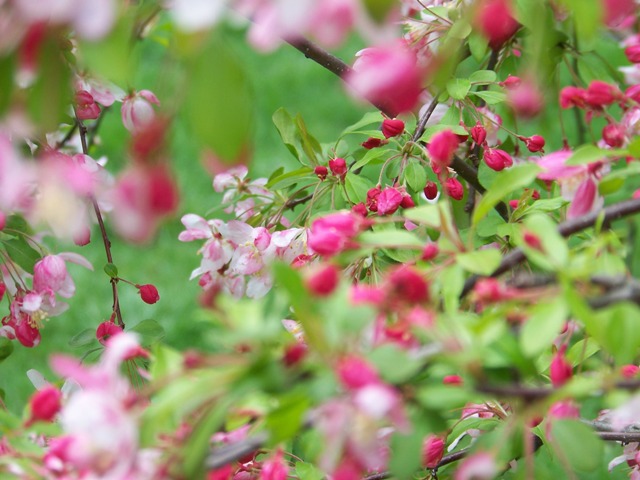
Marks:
<point>454,188</point>
<point>432,451</point>
<point>389,201</point>
<point>431,190</point>
<point>137,110</point>
<point>497,159</point>
<point>86,107</point>
<point>338,167</point>
<point>333,233</point>
<point>324,280</point>
<point>241,194</point>
<point>442,147</point>
<point>494,20</point>
<point>560,370</point>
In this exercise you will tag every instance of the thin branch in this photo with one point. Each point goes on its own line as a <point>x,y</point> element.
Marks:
<point>424,119</point>
<point>105,237</point>
<point>567,228</point>
<point>225,454</point>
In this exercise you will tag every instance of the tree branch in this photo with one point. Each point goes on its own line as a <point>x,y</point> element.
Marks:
<point>567,228</point>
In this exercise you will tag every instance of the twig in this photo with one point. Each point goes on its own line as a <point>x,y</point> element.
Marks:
<point>105,237</point>
<point>221,456</point>
<point>424,119</point>
<point>608,214</point>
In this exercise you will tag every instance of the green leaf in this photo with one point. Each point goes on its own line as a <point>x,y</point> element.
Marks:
<point>577,443</point>
<point>478,45</point>
<point>587,17</point>
<point>6,348</point>
<point>482,262</point>
<point>379,10</point>
<point>406,448</point>
<point>610,185</point>
<point>310,145</point>
<point>289,178</point>
<point>543,325</point>
<point>634,147</point>
<point>357,187</point>
<point>616,329</point>
<point>589,154</point>
<point>287,419</point>
<point>6,81</point>
<point>308,471</point>
<point>452,283</point>
<point>458,88</point>
<point>483,77</point>
<point>506,182</point>
<point>426,215</point>
<point>368,119</point>
<point>219,102</point>
<point>370,156</point>
<point>394,364</point>
<point>390,238</point>
<point>111,270</point>
<point>150,331</point>
<point>85,337</point>
<point>460,30</point>
<point>490,97</point>
<point>287,130</point>
<point>555,252</point>
<point>21,253</point>
<point>416,176</point>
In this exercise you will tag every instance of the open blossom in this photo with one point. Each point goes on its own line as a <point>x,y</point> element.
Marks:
<point>241,194</point>
<point>86,107</point>
<point>333,233</point>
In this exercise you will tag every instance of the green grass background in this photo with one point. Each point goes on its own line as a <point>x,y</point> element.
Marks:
<point>283,78</point>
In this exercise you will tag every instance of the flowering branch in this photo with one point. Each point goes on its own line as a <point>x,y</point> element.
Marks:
<point>103,231</point>
<point>567,228</point>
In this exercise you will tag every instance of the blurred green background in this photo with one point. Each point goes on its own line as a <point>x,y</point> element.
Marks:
<point>283,78</point>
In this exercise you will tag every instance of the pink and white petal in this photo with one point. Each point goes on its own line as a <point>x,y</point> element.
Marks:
<point>259,285</point>
<point>77,259</point>
<point>237,232</point>
<point>31,302</point>
<point>584,199</point>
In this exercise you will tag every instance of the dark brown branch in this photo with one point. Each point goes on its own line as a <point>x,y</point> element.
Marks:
<point>225,454</point>
<point>292,203</point>
<point>105,237</point>
<point>608,214</point>
<point>424,119</point>
<point>529,393</point>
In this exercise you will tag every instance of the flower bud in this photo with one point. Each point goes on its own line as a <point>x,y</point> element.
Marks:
<point>360,209</point>
<point>321,171</point>
<point>613,135</point>
<point>452,380</point>
<point>432,451</point>
<point>494,19</point>
<point>137,110</point>
<point>323,281</point>
<point>148,293</point>
<point>407,201</point>
<point>389,201</point>
<point>338,167</point>
<point>373,142</point>
<point>45,404</point>
<point>294,353</point>
<point>372,198</point>
<point>407,284</point>
<point>560,370</point>
<point>532,240</point>
<point>633,93</point>
<point>600,94</point>
<point>274,468</point>
<point>511,82</point>
<point>431,190</point>
<point>442,147</point>
<point>392,127</point>
<point>633,53</point>
<point>107,330</point>
<point>354,373</point>
<point>629,371</point>
<point>430,251</point>
<point>535,143</point>
<point>526,100</point>
<point>572,97</point>
<point>86,107</point>
<point>479,134</point>
<point>3,220</point>
<point>497,159</point>
<point>454,188</point>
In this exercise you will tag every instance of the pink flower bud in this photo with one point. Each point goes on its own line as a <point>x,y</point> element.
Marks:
<point>442,147</point>
<point>372,198</point>
<point>392,127</point>
<point>431,190</point>
<point>526,100</point>
<point>107,330</point>
<point>323,281</point>
<point>452,380</point>
<point>407,202</point>
<point>360,209</point>
<point>373,142</point>
<point>321,171</point>
<point>406,284</point>
<point>490,290</point>
<point>497,159</point>
<point>333,233</point>
<point>432,451</point>
<point>338,167</point>
<point>532,240</point>
<point>137,110</point>
<point>614,135</point>
<point>82,237</point>
<point>479,134</point>
<point>514,204</point>
<point>494,19</point>
<point>629,371</point>
<point>45,404</point>
<point>430,251</point>
<point>3,220</point>
<point>600,94</point>
<point>564,409</point>
<point>454,188</point>
<point>511,82</point>
<point>354,373</point>
<point>3,289</point>
<point>389,201</point>
<point>572,97</point>
<point>274,468</point>
<point>535,143</point>
<point>148,293</point>
<point>633,53</point>
<point>50,273</point>
<point>584,199</point>
<point>560,370</point>
<point>86,107</point>
<point>633,93</point>
<point>294,353</point>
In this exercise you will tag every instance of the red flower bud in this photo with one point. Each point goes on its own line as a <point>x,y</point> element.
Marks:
<point>633,53</point>
<point>497,159</point>
<point>452,380</point>
<point>86,107</point>
<point>614,135</point>
<point>392,127</point>
<point>148,293</point>
<point>511,82</point>
<point>338,167</point>
<point>513,204</point>
<point>373,142</point>
<point>633,93</point>
<point>360,209</point>
<point>107,330</point>
<point>600,94</point>
<point>321,171</point>
<point>3,220</point>
<point>323,281</point>
<point>532,240</point>
<point>479,134</point>
<point>494,19</point>
<point>407,284</point>
<point>629,371</point>
<point>430,251</point>
<point>372,198</point>
<point>432,451</point>
<point>45,404</point>
<point>560,370</point>
<point>535,143</point>
<point>454,188</point>
<point>572,97</point>
<point>407,201</point>
<point>389,201</point>
<point>294,353</point>
<point>442,147</point>
<point>431,190</point>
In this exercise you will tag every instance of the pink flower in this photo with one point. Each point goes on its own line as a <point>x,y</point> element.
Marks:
<point>86,107</point>
<point>323,282</point>
<point>526,100</point>
<point>442,147</point>
<point>137,110</point>
<point>45,404</point>
<point>563,409</point>
<point>479,466</point>
<point>572,97</point>
<point>430,251</point>
<point>432,451</point>
<point>107,330</point>
<point>338,167</point>
<point>614,135</point>
<point>629,371</point>
<point>387,76</point>
<point>392,127</point>
<point>633,53</point>
<point>274,468</point>
<point>406,284</point>
<point>560,370</point>
<point>535,143</point>
<point>389,201</point>
<point>355,372</point>
<point>600,94</point>
<point>333,233</point>
<point>50,274</point>
<point>584,199</point>
<point>494,19</point>
<point>497,159</point>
